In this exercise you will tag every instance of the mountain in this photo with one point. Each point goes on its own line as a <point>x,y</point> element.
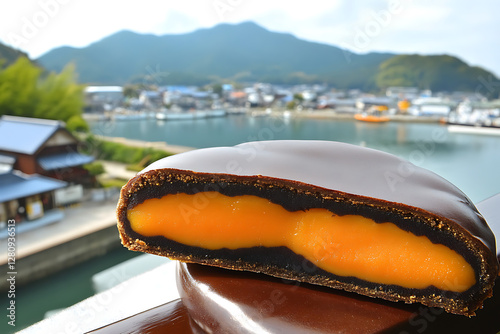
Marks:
<point>436,72</point>
<point>9,55</point>
<point>244,52</point>
<point>248,52</point>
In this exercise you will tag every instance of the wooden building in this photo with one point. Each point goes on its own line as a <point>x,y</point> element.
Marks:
<point>28,199</point>
<point>44,147</point>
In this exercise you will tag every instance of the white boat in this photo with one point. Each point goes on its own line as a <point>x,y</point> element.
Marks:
<point>190,115</point>
<point>475,122</point>
<point>174,115</point>
<point>130,116</point>
<point>216,113</point>
<point>287,114</point>
<point>474,129</point>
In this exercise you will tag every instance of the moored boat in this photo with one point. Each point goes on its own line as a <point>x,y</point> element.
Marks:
<point>371,118</point>
<point>474,129</point>
<point>482,122</point>
<point>373,115</point>
<point>166,115</point>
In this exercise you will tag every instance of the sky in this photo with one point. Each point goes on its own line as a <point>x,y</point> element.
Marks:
<point>462,28</point>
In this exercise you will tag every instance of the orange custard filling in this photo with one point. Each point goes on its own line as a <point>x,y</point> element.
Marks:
<point>347,245</point>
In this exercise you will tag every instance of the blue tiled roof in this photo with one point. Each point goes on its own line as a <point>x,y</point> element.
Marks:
<point>16,185</point>
<point>63,160</point>
<point>25,135</point>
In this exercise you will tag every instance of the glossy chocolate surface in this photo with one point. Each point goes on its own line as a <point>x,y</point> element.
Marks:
<point>238,302</point>
<point>223,301</point>
<point>366,173</point>
<point>167,318</point>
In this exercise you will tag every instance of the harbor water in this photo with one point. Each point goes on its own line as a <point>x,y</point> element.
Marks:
<point>469,161</point>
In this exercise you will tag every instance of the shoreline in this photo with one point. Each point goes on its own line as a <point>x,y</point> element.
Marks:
<point>334,114</point>
<point>159,145</point>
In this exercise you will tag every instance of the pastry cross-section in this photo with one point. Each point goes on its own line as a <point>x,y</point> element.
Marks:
<point>321,212</point>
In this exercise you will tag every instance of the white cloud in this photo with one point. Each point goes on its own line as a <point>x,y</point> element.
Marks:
<point>462,28</point>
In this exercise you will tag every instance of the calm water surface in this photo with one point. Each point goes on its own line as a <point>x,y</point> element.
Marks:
<point>471,162</point>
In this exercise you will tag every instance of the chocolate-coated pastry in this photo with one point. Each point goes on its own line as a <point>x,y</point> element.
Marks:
<point>228,301</point>
<point>171,317</point>
<point>325,213</point>
<point>216,300</point>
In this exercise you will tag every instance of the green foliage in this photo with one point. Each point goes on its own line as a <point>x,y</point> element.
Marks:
<point>60,96</point>
<point>291,105</point>
<point>438,73</point>
<point>26,91</point>
<point>77,123</point>
<point>131,91</point>
<point>94,168</point>
<point>112,183</point>
<point>298,97</point>
<point>135,167</point>
<point>18,88</point>
<point>217,89</point>
<point>107,150</point>
<point>9,55</point>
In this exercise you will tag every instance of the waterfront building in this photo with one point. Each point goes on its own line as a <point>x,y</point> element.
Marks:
<point>44,147</point>
<point>28,200</point>
<point>150,98</point>
<point>100,98</point>
<point>402,93</point>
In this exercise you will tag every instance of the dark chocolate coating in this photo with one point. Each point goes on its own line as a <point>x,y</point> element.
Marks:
<point>171,317</point>
<point>224,301</point>
<point>342,178</point>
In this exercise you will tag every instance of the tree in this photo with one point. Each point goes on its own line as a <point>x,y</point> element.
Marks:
<point>298,97</point>
<point>131,91</point>
<point>18,88</point>
<point>217,88</point>
<point>25,90</point>
<point>438,73</point>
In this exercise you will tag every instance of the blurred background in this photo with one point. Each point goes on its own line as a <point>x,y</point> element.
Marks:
<point>92,92</point>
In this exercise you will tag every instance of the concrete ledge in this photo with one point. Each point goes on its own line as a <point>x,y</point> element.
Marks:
<point>62,256</point>
<point>48,218</point>
<point>128,298</point>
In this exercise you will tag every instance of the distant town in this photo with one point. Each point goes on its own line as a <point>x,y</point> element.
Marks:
<point>183,102</point>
